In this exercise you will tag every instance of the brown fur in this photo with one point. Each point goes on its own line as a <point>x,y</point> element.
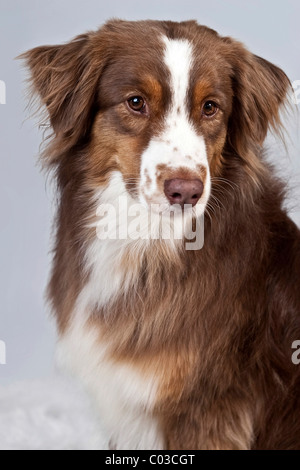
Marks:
<point>215,326</point>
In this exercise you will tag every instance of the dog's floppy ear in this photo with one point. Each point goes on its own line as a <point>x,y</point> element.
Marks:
<point>259,90</point>
<point>65,77</point>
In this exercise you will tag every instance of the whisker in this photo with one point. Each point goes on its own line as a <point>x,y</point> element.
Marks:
<point>208,213</point>
<point>233,185</point>
<point>222,191</point>
<point>218,202</point>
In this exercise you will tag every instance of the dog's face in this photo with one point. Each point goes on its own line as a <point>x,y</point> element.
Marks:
<point>160,103</point>
<point>164,108</point>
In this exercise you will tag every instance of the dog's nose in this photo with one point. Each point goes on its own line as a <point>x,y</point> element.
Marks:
<point>180,191</point>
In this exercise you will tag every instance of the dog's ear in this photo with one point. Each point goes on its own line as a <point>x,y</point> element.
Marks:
<point>65,77</point>
<point>259,90</point>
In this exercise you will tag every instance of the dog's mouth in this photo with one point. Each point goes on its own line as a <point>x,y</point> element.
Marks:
<point>166,209</point>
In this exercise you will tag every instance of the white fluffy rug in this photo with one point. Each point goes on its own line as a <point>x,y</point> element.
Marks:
<point>51,414</point>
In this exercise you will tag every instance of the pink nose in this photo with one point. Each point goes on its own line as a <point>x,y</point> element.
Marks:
<point>179,191</point>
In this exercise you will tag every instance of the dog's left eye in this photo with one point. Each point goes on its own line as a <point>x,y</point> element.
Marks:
<point>209,108</point>
<point>137,103</point>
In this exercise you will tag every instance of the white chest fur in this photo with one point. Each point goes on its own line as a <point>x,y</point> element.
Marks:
<point>124,397</point>
<point>113,263</point>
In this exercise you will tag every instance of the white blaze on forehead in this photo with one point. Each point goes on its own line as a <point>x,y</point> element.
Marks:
<point>179,60</point>
<point>178,145</point>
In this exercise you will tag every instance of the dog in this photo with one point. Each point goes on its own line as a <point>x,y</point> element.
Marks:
<point>182,344</point>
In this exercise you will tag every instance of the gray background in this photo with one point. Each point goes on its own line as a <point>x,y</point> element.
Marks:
<point>269,28</point>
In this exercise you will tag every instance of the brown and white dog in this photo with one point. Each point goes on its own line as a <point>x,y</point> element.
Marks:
<point>181,348</point>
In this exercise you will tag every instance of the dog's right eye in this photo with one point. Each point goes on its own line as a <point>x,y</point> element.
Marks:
<point>209,109</point>
<point>137,103</point>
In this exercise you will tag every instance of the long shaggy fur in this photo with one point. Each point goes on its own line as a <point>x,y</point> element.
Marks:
<point>215,326</point>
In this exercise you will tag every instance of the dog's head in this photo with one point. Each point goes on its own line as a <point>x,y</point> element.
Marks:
<point>160,103</point>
